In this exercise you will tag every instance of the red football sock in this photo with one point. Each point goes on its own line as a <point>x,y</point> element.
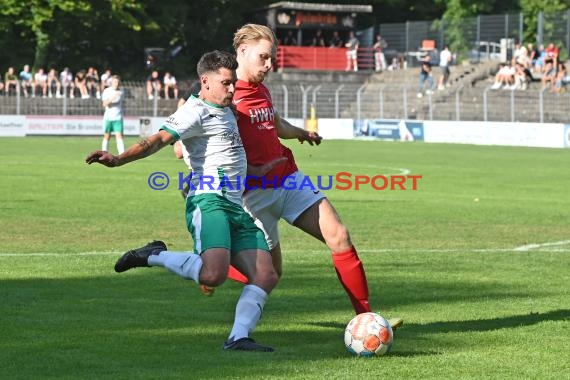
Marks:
<point>350,272</point>
<point>236,275</point>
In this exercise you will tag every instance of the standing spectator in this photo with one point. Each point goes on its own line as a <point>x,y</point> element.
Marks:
<point>81,84</point>
<point>26,81</point>
<point>379,59</point>
<point>153,85</point>
<point>112,101</point>
<point>425,75</point>
<point>289,39</point>
<point>40,80</point>
<point>92,82</point>
<point>170,84</point>
<point>52,82</point>
<point>318,39</point>
<point>352,52</point>
<point>11,81</point>
<point>67,83</point>
<point>335,40</point>
<point>445,59</point>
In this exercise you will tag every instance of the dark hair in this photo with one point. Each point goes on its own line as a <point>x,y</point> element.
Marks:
<point>216,60</point>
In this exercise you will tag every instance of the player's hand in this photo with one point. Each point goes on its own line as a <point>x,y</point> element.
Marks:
<point>261,170</point>
<point>312,138</point>
<point>103,158</point>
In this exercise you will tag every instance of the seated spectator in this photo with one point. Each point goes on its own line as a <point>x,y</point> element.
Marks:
<point>335,40</point>
<point>318,39</point>
<point>549,76</point>
<point>105,80</point>
<point>11,81</point>
<point>81,84</point>
<point>504,78</point>
<point>521,78</point>
<point>533,54</point>
<point>540,58</point>
<point>170,84</point>
<point>67,83</point>
<point>552,55</point>
<point>53,83</point>
<point>562,79</point>
<point>1,86</point>
<point>425,75</point>
<point>40,82</point>
<point>520,55</point>
<point>153,85</point>
<point>26,81</point>
<point>92,82</point>
<point>289,39</point>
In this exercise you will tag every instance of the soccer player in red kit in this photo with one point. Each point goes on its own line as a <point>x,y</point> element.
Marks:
<point>260,128</point>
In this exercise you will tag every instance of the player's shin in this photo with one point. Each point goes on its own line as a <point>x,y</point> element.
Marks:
<point>351,275</point>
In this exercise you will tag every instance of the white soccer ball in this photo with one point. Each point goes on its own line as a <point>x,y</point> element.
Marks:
<point>368,334</point>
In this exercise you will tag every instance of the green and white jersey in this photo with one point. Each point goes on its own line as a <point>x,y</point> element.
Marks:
<point>210,134</point>
<point>114,111</point>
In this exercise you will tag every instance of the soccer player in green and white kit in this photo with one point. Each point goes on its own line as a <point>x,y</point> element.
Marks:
<point>223,232</point>
<point>112,100</point>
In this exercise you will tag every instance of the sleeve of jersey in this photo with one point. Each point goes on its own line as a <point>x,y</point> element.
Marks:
<point>183,124</point>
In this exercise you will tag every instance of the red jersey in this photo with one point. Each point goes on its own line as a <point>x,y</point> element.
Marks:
<point>256,122</point>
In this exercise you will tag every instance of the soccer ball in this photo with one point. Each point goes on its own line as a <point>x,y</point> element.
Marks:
<point>368,334</point>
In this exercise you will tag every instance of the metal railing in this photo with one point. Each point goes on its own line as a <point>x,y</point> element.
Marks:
<point>394,98</point>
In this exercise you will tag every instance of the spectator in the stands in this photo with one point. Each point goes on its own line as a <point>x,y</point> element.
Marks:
<point>26,81</point>
<point>335,40</point>
<point>92,82</point>
<point>318,39</point>
<point>53,84</point>
<point>81,84</point>
<point>170,85</point>
<point>11,81</point>
<point>562,79</point>
<point>289,39</point>
<point>505,77</point>
<point>67,84</point>
<point>40,83</point>
<point>153,85</point>
<point>552,54</point>
<point>425,75</point>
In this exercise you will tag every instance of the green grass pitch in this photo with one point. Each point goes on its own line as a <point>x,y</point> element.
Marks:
<point>476,260</point>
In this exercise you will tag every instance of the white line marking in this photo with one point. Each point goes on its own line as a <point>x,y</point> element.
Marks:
<point>324,250</point>
<point>528,247</point>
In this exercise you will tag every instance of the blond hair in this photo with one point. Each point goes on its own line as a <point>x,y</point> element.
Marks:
<point>253,32</point>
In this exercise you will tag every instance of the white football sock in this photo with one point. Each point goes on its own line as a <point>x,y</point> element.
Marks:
<point>120,145</point>
<point>105,145</point>
<point>248,311</point>
<point>184,264</point>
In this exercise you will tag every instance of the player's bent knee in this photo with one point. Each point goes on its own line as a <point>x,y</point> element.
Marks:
<point>213,278</point>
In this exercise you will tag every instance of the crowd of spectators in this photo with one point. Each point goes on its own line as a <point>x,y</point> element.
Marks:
<point>532,63</point>
<point>84,84</point>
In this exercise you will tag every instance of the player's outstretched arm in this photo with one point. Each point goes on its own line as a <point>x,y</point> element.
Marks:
<point>142,149</point>
<point>286,130</point>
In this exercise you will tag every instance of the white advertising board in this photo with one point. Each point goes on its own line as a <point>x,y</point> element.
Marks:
<point>495,133</point>
<point>12,126</point>
<point>75,125</point>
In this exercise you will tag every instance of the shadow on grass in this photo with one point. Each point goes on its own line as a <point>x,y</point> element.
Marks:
<point>473,325</point>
